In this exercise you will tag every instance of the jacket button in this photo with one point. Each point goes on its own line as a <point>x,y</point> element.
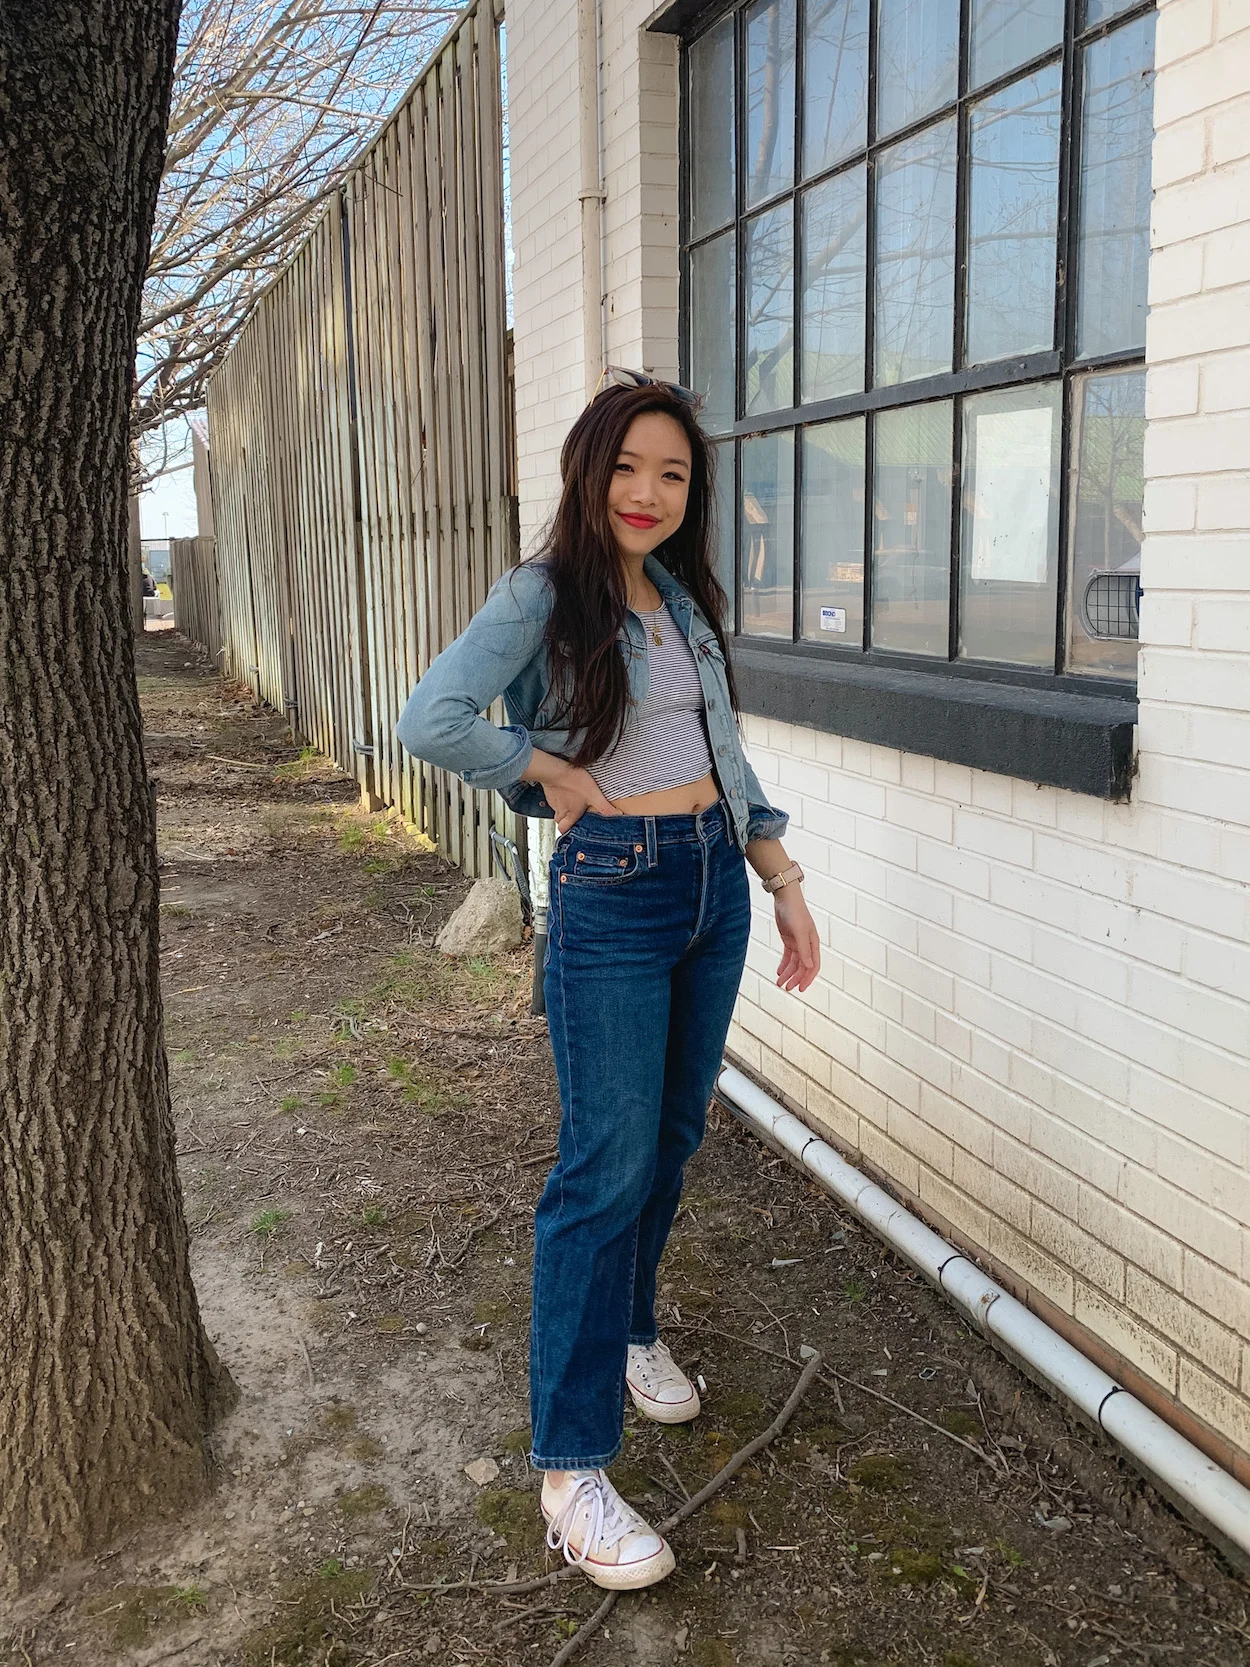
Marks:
<point>720,752</point>
<point>711,706</point>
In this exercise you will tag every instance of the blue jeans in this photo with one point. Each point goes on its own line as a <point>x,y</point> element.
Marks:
<point>647,939</point>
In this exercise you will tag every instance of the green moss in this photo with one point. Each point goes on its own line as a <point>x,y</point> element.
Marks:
<point>959,1422</point>
<point>880,1473</point>
<point>388,1324</point>
<point>916,1568</point>
<point>312,1625</point>
<point>518,1440</point>
<point>491,1311</point>
<point>132,1613</point>
<point>712,1652</point>
<point>338,1419</point>
<point>366,1447</point>
<point>514,1514</point>
<point>265,1223</point>
<point>363,1501</point>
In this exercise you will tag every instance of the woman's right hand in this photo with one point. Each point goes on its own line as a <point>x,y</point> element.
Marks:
<point>573,794</point>
<point>570,792</point>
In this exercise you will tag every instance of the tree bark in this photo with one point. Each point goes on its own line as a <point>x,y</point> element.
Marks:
<point>108,1382</point>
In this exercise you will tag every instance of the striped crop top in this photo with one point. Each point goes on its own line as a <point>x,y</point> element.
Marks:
<point>664,742</point>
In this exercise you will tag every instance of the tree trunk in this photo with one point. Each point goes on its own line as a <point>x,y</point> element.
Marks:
<point>107,1380</point>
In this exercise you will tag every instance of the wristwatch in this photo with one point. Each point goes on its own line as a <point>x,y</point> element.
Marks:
<point>787,877</point>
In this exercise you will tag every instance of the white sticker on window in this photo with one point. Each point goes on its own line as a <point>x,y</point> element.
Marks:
<point>833,619</point>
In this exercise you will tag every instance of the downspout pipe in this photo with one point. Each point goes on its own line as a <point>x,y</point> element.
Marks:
<point>1198,1486</point>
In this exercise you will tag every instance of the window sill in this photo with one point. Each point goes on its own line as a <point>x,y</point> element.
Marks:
<point>1081,742</point>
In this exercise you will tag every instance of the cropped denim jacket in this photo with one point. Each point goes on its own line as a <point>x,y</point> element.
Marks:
<point>501,652</point>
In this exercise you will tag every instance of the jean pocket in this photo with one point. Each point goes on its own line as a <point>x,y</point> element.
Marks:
<point>591,863</point>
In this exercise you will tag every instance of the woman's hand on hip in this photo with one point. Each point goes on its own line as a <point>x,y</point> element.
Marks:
<point>801,961</point>
<point>569,791</point>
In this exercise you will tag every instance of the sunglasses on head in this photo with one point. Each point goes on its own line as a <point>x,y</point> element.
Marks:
<point>617,376</point>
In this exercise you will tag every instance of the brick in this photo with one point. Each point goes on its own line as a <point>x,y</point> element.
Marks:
<point>1220,1185</point>
<point>927,816</point>
<point>1002,841</point>
<point>1217,1293</point>
<point>800,1052</point>
<point>1046,1276</point>
<point>1048,1184</point>
<point>1179,152</point>
<point>1139,1242</point>
<point>1221,1407</point>
<point>1170,506</point>
<point>1175,1212</point>
<point>1197,445</point>
<point>834,1116</point>
<point>1224,503</point>
<point>1184,27</point>
<point>1226,253</point>
<point>1200,323</point>
<point>1089,1259</point>
<point>912,1133</point>
<point>997,1192</point>
<point>1120,1330</point>
<point>1230,130</point>
<point>1175,272</point>
<point>890,1158</point>
<point>964,1214</point>
<point>1224,382</point>
<point>1169,1104</point>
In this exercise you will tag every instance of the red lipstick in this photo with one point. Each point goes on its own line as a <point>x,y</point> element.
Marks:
<point>642,521</point>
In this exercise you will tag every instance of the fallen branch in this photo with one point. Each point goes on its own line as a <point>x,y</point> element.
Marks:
<point>835,1377</point>
<point>697,1501</point>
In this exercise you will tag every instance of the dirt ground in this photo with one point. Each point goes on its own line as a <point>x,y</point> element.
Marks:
<point>363,1130</point>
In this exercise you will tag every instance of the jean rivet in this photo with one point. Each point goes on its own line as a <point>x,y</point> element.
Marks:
<point>563,878</point>
<point>622,862</point>
<point>581,856</point>
<point>637,847</point>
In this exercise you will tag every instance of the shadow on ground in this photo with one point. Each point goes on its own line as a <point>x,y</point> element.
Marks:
<point>363,1132</point>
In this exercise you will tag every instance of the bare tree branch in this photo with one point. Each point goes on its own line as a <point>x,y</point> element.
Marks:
<point>271,102</point>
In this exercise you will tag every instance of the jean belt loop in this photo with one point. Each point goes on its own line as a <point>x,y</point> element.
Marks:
<point>652,847</point>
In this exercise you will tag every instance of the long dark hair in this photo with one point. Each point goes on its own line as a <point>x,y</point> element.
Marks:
<point>588,579</point>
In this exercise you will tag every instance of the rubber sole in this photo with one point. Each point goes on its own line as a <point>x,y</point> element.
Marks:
<point>648,1571</point>
<point>661,1412</point>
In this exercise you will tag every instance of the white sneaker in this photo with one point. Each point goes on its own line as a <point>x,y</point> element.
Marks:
<point>658,1385</point>
<point>603,1536</point>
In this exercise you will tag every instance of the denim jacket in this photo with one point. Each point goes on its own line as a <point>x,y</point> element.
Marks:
<point>501,652</point>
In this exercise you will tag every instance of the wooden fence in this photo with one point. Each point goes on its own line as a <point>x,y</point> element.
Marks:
<point>361,443</point>
<point>193,579</point>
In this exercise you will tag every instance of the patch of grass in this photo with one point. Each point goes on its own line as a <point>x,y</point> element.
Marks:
<point>513,1514</point>
<point>291,1102</point>
<point>312,1626</point>
<point>388,1324</point>
<point>879,1472</point>
<point>343,1076</point>
<point>914,1568</point>
<point>328,1099</point>
<point>490,1312</point>
<point>265,1223</point>
<point>1013,1558</point>
<point>352,837</point>
<point>373,1215</point>
<point>854,1290</point>
<point>363,1501</point>
<point>339,1418</point>
<point>132,1613</point>
<point>959,1422</point>
<point>183,1056</point>
<point>366,1448</point>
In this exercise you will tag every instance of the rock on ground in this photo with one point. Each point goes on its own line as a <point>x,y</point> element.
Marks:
<point>488,920</point>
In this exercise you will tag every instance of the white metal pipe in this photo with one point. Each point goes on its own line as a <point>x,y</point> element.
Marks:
<point>1186,1475</point>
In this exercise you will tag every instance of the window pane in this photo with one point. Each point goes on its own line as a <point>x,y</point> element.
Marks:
<point>1010,526</point>
<point>1010,32</point>
<point>835,253</point>
<point>767,534</point>
<point>1115,189</point>
<point>723,508</point>
<point>1013,215</point>
<point>770,98</point>
<point>835,82</point>
<point>1110,412</point>
<point>912,520</point>
<point>712,329</point>
<point>769,280</point>
<point>915,301</point>
<point>711,143</point>
<point>917,60</point>
<point>833,533</point>
<point>1098,11</point>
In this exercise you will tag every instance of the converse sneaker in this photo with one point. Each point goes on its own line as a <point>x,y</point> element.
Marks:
<point>600,1534</point>
<point>660,1388</point>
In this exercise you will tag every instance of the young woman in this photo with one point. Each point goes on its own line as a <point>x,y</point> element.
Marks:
<point>610,654</point>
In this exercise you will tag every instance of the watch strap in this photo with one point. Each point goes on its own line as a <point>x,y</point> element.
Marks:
<point>788,876</point>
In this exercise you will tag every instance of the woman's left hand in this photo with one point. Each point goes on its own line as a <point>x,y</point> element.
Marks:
<point>801,961</point>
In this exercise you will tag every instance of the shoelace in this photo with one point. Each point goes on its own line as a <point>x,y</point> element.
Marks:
<point>654,1363</point>
<point>610,1520</point>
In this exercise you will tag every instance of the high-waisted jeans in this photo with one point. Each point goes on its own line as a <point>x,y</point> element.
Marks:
<point>647,938</point>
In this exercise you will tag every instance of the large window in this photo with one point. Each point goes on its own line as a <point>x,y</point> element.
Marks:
<point>916,240</point>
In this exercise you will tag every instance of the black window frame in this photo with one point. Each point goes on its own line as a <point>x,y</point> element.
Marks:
<point>921,701</point>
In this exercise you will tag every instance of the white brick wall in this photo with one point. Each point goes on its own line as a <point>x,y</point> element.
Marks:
<point>1034,1012</point>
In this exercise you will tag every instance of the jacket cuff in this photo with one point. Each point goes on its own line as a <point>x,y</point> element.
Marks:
<point>492,777</point>
<point>765,822</point>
